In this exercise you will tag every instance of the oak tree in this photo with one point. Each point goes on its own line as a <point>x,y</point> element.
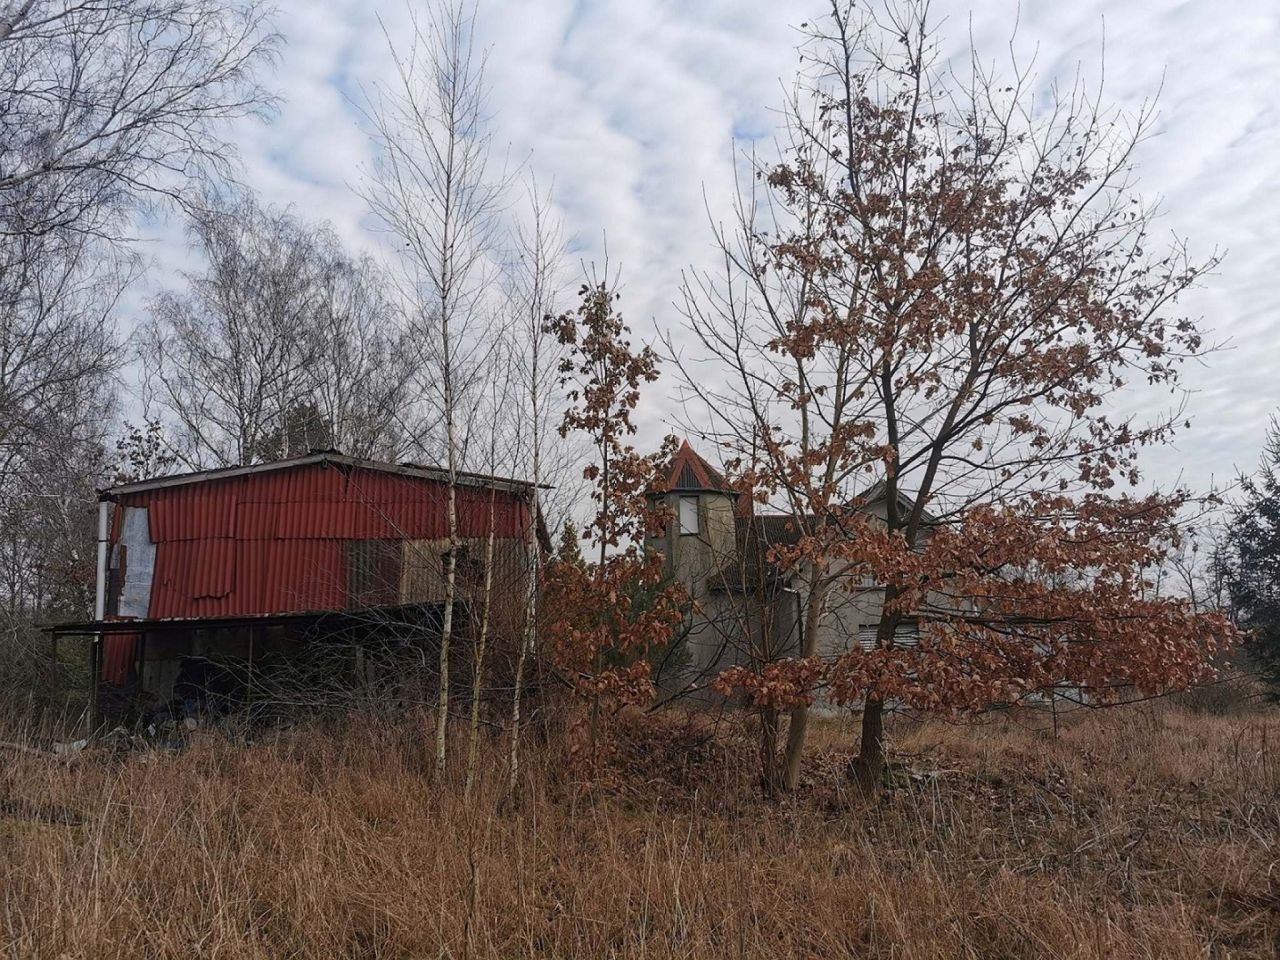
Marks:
<point>594,630</point>
<point>926,311</point>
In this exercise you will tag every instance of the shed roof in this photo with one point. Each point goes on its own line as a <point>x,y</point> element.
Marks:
<point>423,471</point>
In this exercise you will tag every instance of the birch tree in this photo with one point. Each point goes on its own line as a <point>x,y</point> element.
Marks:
<point>437,194</point>
<point>499,400</point>
<point>282,343</point>
<point>532,286</point>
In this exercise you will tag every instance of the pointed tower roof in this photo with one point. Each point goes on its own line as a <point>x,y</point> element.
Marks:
<point>688,471</point>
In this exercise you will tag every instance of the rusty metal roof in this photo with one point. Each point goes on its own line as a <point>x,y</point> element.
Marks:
<point>320,456</point>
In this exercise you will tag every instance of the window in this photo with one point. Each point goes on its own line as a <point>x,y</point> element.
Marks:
<point>688,515</point>
<point>373,572</point>
<point>904,635</point>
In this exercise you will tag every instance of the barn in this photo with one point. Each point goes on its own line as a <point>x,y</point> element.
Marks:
<point>242,569</point>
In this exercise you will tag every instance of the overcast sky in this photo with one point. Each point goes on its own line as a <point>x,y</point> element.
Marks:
<point>631,107</point>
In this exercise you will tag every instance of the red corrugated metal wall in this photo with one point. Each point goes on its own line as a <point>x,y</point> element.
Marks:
<point>273,542</point>
<point>117,657</point>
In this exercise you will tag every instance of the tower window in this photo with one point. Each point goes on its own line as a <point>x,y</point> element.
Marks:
<point>688,515</point>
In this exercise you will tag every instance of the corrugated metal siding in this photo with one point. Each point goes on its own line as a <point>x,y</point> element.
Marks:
<point>274,542</point>
<point>118,652</point>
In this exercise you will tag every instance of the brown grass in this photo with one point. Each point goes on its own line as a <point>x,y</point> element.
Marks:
<point>1143,832</point>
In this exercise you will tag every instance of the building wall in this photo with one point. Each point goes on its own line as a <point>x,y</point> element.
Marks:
<point>732,622</point>
<point>720,623</point>
<point>281,541</point>
<point>695,558</point>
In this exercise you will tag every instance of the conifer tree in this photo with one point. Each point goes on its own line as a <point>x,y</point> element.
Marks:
<point>1254,577</point>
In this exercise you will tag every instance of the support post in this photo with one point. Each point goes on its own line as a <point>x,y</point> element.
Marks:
<point>95,680</point>
<point>100,585</point>
<point>248,693</point>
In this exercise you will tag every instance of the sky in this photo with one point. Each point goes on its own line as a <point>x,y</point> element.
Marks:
<point>631,110</point>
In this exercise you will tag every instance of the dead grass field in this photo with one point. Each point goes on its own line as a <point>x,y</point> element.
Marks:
<point>1141,832</point>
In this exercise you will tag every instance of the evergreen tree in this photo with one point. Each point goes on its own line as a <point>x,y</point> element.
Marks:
<point>1254,579</point>
<point>570,548</point>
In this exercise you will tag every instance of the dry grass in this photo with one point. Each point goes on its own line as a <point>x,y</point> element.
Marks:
<point>1138,833</point>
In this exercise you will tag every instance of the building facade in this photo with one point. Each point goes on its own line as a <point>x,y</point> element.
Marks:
<point>247,565</point>
<point>745,608</point>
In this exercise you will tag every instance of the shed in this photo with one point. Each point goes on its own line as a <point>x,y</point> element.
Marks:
<point>249,560</point>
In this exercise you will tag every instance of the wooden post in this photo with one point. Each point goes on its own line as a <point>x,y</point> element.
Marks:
<point>140,665</point>
<point>248,697</point>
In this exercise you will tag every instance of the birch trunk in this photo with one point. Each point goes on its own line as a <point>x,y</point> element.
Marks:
<point>477,672</point>
<point>432,189</point>
<point>446,632</point>
<point>530,633</point>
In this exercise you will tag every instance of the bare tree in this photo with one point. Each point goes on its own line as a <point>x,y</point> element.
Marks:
<point>58,357</point>
<point>532,289</point>
<point>47,534</point>
<point>282,344</point>
<point>435,191</point>
<point>499,398</point>
<point>105,105</point>
<point>361,370</point>
<point>106,108</point>
<point>1198,566</point>
<point>57,341</point>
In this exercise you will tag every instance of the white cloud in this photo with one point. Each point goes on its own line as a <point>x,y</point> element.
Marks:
<point>631,107</point>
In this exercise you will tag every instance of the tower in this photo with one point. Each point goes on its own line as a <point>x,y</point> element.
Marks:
<point>700,539</point>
